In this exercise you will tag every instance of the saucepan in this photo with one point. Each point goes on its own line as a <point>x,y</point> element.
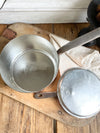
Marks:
<point>30,63</point>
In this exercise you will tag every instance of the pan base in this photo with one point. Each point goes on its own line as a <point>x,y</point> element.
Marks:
<point>33,71</point>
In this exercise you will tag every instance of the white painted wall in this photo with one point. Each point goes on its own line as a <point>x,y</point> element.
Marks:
<point>44,11</point>
<point>46,4</point>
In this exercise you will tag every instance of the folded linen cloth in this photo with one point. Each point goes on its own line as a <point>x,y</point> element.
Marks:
<point>77,57</point>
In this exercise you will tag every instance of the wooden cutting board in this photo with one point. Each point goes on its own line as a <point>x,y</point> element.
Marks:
<point>50,106</point>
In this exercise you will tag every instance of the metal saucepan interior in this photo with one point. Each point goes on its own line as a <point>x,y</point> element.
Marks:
<point>30,63</point>
<point>27,63</point>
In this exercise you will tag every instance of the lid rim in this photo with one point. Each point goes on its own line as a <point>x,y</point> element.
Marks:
<point>62,102</point>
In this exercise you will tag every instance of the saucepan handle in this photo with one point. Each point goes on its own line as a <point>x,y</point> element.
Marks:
<point>88,37</point>
<point>41,95</point>
<point>84,31</point>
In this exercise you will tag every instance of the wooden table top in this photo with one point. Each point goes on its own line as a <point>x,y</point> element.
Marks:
<point>16,117</point>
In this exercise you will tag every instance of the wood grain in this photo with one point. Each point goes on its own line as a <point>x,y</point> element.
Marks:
<point>63,128</point>
<point>15,118</point>
<point>98,123</point>
<point>43,123</point>
<point>46,27</point>
<point>2,28</point>
<point>93,127</point>
<point>68,31</point>
<point>18,118</point>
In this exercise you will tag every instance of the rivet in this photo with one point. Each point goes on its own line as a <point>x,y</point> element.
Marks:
<point>59,112</point>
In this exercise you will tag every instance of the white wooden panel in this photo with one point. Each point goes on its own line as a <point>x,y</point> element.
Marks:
<point>1,3</point>
<point>37,5</point>
<point>44,11</point>
<point>79,15</point>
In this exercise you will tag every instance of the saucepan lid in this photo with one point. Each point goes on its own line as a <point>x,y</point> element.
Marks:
<point>79,92</point>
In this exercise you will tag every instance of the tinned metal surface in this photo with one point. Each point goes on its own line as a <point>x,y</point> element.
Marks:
<point>28,63</point>
<point>79,93</point>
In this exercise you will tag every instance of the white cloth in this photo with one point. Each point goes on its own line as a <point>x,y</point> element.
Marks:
<point>77,57</point>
